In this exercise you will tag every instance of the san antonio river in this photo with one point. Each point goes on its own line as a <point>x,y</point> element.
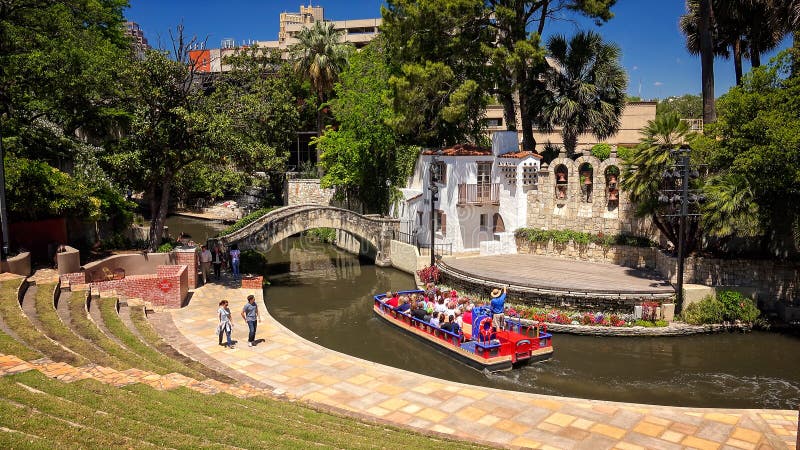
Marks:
<point>324,295</point>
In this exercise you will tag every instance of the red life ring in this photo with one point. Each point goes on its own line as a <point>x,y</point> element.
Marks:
<point>484,331</point>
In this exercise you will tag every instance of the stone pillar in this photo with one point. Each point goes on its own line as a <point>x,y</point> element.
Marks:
<point>187,255</point>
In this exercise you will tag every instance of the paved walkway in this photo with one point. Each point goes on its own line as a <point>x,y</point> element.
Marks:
<point>546,272</point>
<point>309,372</point>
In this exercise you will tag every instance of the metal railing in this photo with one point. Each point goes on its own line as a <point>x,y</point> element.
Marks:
<point>406,238</point>
<point>440,248</point>
<point>478,194</point>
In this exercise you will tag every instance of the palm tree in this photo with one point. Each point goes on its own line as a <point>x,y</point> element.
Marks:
<point>643,171</point>
<point>319,56</point>
<point>728,31</point>
<point>585,87</point>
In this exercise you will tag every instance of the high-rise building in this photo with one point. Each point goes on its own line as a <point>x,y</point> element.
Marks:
<point>133,31</point>
<point>358,32</point>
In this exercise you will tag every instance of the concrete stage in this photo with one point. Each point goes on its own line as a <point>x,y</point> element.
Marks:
<point>560,275</point>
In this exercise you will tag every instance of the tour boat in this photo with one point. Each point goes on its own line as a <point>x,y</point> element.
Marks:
<point>479,345</point>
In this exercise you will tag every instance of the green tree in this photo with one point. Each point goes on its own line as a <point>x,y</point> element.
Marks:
<point>642,174</point>
<point>176,124</point>
<point>319,56</point>
<point>426,36</point>
<point>756,157</point>
<point>363,157</point>
<point>686,106</point>
<point>585,88</point>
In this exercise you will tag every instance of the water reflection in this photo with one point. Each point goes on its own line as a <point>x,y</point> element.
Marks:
<point>324,295</point>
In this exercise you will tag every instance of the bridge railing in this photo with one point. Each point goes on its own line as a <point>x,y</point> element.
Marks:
<point>441,248</point>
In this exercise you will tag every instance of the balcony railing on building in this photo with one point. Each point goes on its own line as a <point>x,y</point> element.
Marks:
<point>695,125</point>
<point>478,194</point>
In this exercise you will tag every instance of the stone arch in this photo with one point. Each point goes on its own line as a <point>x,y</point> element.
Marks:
<point>562,171</point>
<point>604,179</point>
<point>282,223</point>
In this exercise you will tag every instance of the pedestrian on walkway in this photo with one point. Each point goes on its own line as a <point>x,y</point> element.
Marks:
<point>225,325</point>
<point>217,258</point>
<point>235,255</point>
<point>251,315</point>
<point>205,263</point>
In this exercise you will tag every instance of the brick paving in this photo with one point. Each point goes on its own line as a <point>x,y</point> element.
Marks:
<point>308,372</point>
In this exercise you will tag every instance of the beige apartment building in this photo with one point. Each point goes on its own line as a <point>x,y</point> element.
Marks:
<point>634,118</point>
<point>358,32</point>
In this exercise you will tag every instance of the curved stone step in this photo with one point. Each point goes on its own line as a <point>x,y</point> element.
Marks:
<point>159,343</point>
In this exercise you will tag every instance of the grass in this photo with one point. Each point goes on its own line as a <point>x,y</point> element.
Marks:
<point>151,337</point>
<point>108,310</point>
<point>21,325</point>
<point>55,329</point>
<point>79,319</point>
<point>11,346</point>
<point>140,415</point>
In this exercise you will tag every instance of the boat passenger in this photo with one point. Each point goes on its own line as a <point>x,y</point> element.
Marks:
<point>451,325</point>
<point>392,299</point>
<point>434,321</point>
<point>440,307</point>
<point>430,291</point>
<point>418,311</point>
<point>459,319</point>
<point>404,305</point>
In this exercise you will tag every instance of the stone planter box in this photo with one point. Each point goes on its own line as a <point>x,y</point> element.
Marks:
<point>20,264</point>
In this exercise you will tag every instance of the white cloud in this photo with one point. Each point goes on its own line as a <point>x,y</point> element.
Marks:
<point>635,67</point>
<point>658,83</point>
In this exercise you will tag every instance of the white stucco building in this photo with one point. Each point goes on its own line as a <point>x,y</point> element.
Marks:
<point>482,195</point>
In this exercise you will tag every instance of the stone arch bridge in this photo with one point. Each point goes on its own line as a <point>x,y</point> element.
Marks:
<point>281,223</point>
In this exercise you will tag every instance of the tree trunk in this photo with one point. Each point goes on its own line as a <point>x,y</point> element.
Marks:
<point>528,141</point>
<point>707,62</point>
<point>755,55</point>
<point>737,60</point>
<point>570,142</point>
<point>509,112</point>
<point>160,216</point>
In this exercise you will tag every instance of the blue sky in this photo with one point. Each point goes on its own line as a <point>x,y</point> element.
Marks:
<point>647,31</point>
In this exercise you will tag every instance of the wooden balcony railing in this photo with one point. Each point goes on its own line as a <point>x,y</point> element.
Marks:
<point>478,194</point>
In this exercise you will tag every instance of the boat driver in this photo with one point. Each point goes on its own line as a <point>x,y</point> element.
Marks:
<point>498,307</point>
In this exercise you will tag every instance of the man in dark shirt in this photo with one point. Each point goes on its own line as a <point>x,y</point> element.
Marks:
<point>419,312</point>
<point>252,317</point>
<point>451,325</point>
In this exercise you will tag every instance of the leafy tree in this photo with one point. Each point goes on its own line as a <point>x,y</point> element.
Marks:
<point>756,156</point>
<point>319,56</point>
<point>585,88</point>
<point>686,106</point>
<point>363,156</point>
<point>176,123</point>
<point>425,36</point>
<point>642,174</point>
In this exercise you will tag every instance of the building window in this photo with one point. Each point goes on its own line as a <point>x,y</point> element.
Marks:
<point>441,222</point>
<point>439,175</point>
<point>485,173</point>
<point>420,214</point>
<point>494,122</point>
<point>484,221</point>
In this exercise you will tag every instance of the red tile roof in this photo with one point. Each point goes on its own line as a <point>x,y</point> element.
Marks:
<point>460,150</point>
<point>521,155</point>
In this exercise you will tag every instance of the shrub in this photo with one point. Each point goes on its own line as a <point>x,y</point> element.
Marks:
<point>246,220</point>
<point>601,151</point>
<point>253,262</point>
<point>706,311</point>
<point>738,307</point>
<point>429,274</point>
<point>166,247</point>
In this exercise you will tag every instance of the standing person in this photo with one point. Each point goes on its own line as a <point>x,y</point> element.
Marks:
<point>235,255</point>
<point>205,263</point>
<point>217,258</point>
<point>498,307</point>
<point>225,324</point>
<point>251,315</point>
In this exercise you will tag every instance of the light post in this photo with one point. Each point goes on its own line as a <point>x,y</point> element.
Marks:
<point>434,197</point>
<point>677,197</point>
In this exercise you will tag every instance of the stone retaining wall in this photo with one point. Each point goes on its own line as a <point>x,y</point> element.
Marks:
<point>770,281</point>
<point>304,191</point>
<point>674,329</point>
<point>406,257</point>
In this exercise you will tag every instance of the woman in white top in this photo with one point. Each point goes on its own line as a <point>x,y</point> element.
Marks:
<point>225,324</point>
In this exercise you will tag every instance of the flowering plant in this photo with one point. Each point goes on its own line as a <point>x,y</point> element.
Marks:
<point>429,274</point>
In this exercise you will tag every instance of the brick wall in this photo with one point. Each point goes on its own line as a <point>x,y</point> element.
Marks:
<point>167,287</point>
<point>187,256</point>
<point>252,282</point>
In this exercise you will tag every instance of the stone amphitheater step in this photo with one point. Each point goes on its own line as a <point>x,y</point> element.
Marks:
<point>133,315</point>
<point>94,314</point>
<point>162,323</point>
<point>25,329</point>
